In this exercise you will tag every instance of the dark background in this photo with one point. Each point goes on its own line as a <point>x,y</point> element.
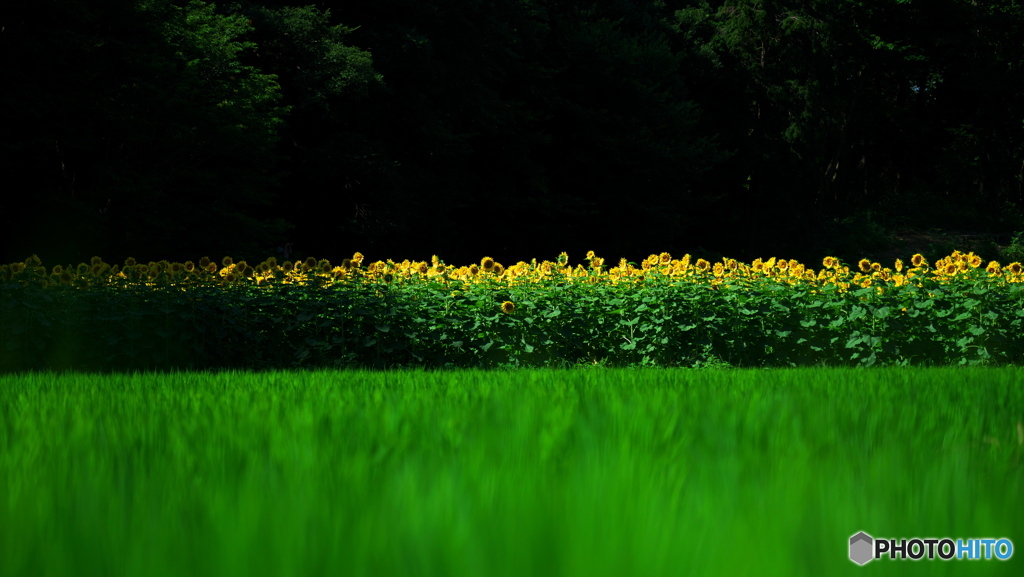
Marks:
<point>163,129</point>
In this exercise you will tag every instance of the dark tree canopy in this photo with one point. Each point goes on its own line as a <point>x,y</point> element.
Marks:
<point>513,128</point>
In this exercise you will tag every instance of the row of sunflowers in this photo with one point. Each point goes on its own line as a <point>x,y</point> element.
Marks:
<point>655,268</point>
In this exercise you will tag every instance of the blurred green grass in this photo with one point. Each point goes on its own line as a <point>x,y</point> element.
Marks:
<point>585,472</point>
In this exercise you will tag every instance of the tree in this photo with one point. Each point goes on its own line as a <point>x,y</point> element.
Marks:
<point>145,134</point>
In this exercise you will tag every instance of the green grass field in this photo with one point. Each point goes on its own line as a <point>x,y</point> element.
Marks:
<point>517,473</point>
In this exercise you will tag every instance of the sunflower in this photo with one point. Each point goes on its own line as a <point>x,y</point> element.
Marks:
<point>57,269</point>
<point>563,259</point>
<point>324,266</point>
<point>864,265</point>
<point>473,269</point>
<point>357,258</point>
<point>590,255</point>
<point>423,268</point>
<point>211,267</point>
<point>950,269</point>
<point>508,307</point>
<point>664,258</point>
<point>487,264</point>
<point>190,266</point>
<point>227,261</point>
<point>974,260</point>
<point>899,265</point>
<point>993,267</point>
<point>917,261</point>
<point>1015,267</point>
<point>703,265</point>
<point>130,261</point>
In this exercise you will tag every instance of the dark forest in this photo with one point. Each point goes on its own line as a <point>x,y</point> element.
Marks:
<point>163,129</point>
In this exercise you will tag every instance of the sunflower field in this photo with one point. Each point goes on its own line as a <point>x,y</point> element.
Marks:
<point>663,311</point>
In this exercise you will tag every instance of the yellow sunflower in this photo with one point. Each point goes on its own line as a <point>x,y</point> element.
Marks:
<point>508,307</point>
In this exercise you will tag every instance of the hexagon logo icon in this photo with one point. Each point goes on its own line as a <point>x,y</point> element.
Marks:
<point>861,546</point>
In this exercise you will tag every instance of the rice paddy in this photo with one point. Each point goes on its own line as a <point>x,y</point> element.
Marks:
<point>531,472</point>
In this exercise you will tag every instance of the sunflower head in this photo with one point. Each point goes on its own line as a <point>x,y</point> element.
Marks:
<point>563,259</point>
<point>917,261</point>
<point>473,269</point>
<point>993,267</point>
<point>190,266</point>
<point>590,255</point>
<point>423,267</point>
<point>57,269</point>
<point>227,261</point>
<point>357,258</point>
<point>1015,267</point>
<point>130,261</point>
<point>508,307</point>
<point>211,267</point>
<point>899,265</point>
<point>487,264</point>
<point>323,266</point>
<point>288,266</point>
<point>828,262</point>
<point>703,265</point>
<point>665,258</point>
<point>864,265</point>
